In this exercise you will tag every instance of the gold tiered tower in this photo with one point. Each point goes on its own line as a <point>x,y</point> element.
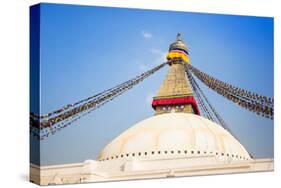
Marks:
<point>175,94</point>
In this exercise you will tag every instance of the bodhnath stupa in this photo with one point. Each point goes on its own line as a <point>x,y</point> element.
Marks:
<point>176,141</point>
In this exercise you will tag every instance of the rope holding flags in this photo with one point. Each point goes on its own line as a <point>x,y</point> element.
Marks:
<point>43,126</point>
<point>48,124</point>
<point>261,105</point>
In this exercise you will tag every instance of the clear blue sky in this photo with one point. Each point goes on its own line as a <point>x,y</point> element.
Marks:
<point>86,49</point>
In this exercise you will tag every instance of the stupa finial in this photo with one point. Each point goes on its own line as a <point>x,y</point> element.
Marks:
<point>179,36</point>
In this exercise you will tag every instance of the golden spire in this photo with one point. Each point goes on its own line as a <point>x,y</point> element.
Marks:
<point>175,93</point>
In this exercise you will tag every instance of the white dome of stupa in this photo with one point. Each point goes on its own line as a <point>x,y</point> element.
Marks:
<point>174,135</point>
